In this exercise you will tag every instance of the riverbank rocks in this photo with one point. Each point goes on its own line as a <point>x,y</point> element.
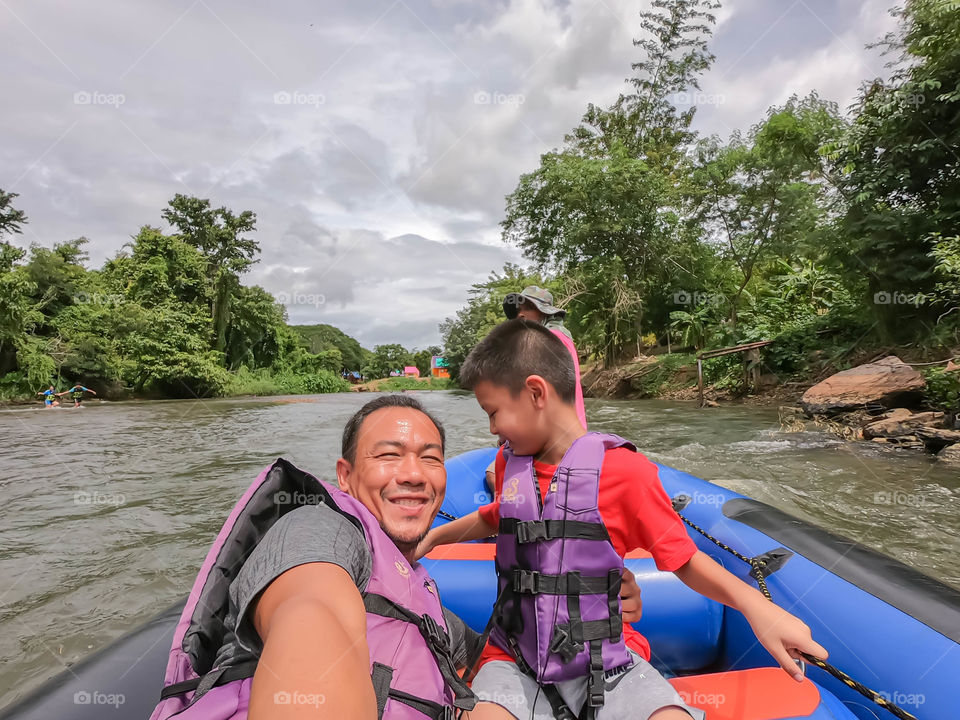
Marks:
<point>936,439</point>
<point>904,442</point>
<point>886,382</point>
<point>950,454</point>
<point>901,421</point>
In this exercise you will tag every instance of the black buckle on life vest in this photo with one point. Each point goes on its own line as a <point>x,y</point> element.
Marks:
<point>526,581</point>
<point>595,684</point>
<point>563,644</point>
<point>595,698</point>
<point>531,531</point>
<point>433,633</point>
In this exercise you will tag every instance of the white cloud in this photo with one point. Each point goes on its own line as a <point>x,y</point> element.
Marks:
<point>349,129</point>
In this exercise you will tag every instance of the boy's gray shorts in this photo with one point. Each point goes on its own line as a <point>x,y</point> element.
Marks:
<point>634,694</point>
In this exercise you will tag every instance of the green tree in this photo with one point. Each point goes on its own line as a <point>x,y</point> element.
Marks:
<point>764,196</point>
<point>218,234</point>
<point>387,358</point>
<point>17,314</point>
<point>257,331</point>
<point>612,199</point>
<point>324,337</point>
<point>11,219</point>
<point>946,255</point>
<point>899,165</point>
<point>164,352</point>
<point>156,269</point>
<point>646,120</point>
<point>58,275</point>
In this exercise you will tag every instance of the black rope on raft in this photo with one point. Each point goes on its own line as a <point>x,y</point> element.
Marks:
<point>757,573</point>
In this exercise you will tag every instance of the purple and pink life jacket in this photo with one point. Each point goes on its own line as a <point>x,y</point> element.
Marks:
<point>411,664</point>
<point>558,611</point>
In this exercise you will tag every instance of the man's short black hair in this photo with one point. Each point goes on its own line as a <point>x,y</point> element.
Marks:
<point>348,445</point>
<point>515,350</point>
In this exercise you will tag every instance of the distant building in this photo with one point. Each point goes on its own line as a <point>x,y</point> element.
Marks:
<point>439,367</point>
<point>411,371</point>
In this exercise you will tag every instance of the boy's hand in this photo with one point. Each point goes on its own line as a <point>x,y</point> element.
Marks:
<point>783,635</point>
<point>630,602</point>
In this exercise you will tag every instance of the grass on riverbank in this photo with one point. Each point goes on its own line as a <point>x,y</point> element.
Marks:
<point>265,382</point>
<point>395,384</point>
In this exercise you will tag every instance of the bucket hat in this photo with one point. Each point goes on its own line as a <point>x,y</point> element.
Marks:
<point>541,298</point>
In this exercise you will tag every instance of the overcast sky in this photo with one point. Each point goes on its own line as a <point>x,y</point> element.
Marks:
<point>375,141</point>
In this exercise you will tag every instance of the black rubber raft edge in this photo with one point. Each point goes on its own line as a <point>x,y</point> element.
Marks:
<point>132,665</point>
<point>930,601</point>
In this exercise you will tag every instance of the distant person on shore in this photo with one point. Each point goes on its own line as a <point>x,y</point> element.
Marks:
<point>49,397</point>
<point>76,393</point>
<point>536,305</point>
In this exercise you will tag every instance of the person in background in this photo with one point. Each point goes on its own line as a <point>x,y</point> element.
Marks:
<point>49,397</point>
<point>536,305</point>
<point>76,393</point>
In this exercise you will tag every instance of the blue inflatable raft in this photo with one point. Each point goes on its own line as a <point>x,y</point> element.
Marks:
<point>892,628</point>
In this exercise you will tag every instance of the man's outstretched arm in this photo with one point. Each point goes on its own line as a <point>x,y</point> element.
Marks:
<point>315,660</point>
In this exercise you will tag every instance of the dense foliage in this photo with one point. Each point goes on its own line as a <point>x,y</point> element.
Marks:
<point>483,311</point>
<point>167,316</point>
<point>826,233</point>
<point>320,338</point>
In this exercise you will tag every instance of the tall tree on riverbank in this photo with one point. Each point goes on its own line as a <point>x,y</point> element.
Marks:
<point>610,202</point>
<point>217,234</point>
<point>901,168</point>
<point>11,219</point>
<point>17,314</point>
<point>766,195</point>
<point>648,120</point>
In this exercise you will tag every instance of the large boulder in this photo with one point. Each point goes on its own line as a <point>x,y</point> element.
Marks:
<point>887,382</point>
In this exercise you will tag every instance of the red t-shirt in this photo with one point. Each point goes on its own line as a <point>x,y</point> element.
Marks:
<point>636,511</point>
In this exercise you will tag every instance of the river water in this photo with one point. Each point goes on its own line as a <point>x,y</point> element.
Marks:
<point>107,512</point>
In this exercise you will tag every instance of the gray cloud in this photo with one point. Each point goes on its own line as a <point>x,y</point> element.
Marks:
<point>375,142</point>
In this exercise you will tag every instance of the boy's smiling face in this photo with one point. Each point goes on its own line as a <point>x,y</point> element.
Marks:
<point>517,418</point>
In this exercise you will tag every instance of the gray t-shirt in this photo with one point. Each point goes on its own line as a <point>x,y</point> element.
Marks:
<point>314,533</point>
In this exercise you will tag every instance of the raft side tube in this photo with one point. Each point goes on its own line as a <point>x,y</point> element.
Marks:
<point>878,644</point>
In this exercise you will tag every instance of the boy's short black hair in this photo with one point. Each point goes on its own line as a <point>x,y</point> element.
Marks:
<point>348,444</point>
<point>513,351</point>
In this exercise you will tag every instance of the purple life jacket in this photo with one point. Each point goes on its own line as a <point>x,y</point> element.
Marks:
<point>558,611</point>
<point>411,665</point>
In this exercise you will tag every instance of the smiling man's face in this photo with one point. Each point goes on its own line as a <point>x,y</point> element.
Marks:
<point>398,473</point>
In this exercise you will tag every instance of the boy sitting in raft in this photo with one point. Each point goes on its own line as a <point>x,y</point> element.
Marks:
<point>558,646</point>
